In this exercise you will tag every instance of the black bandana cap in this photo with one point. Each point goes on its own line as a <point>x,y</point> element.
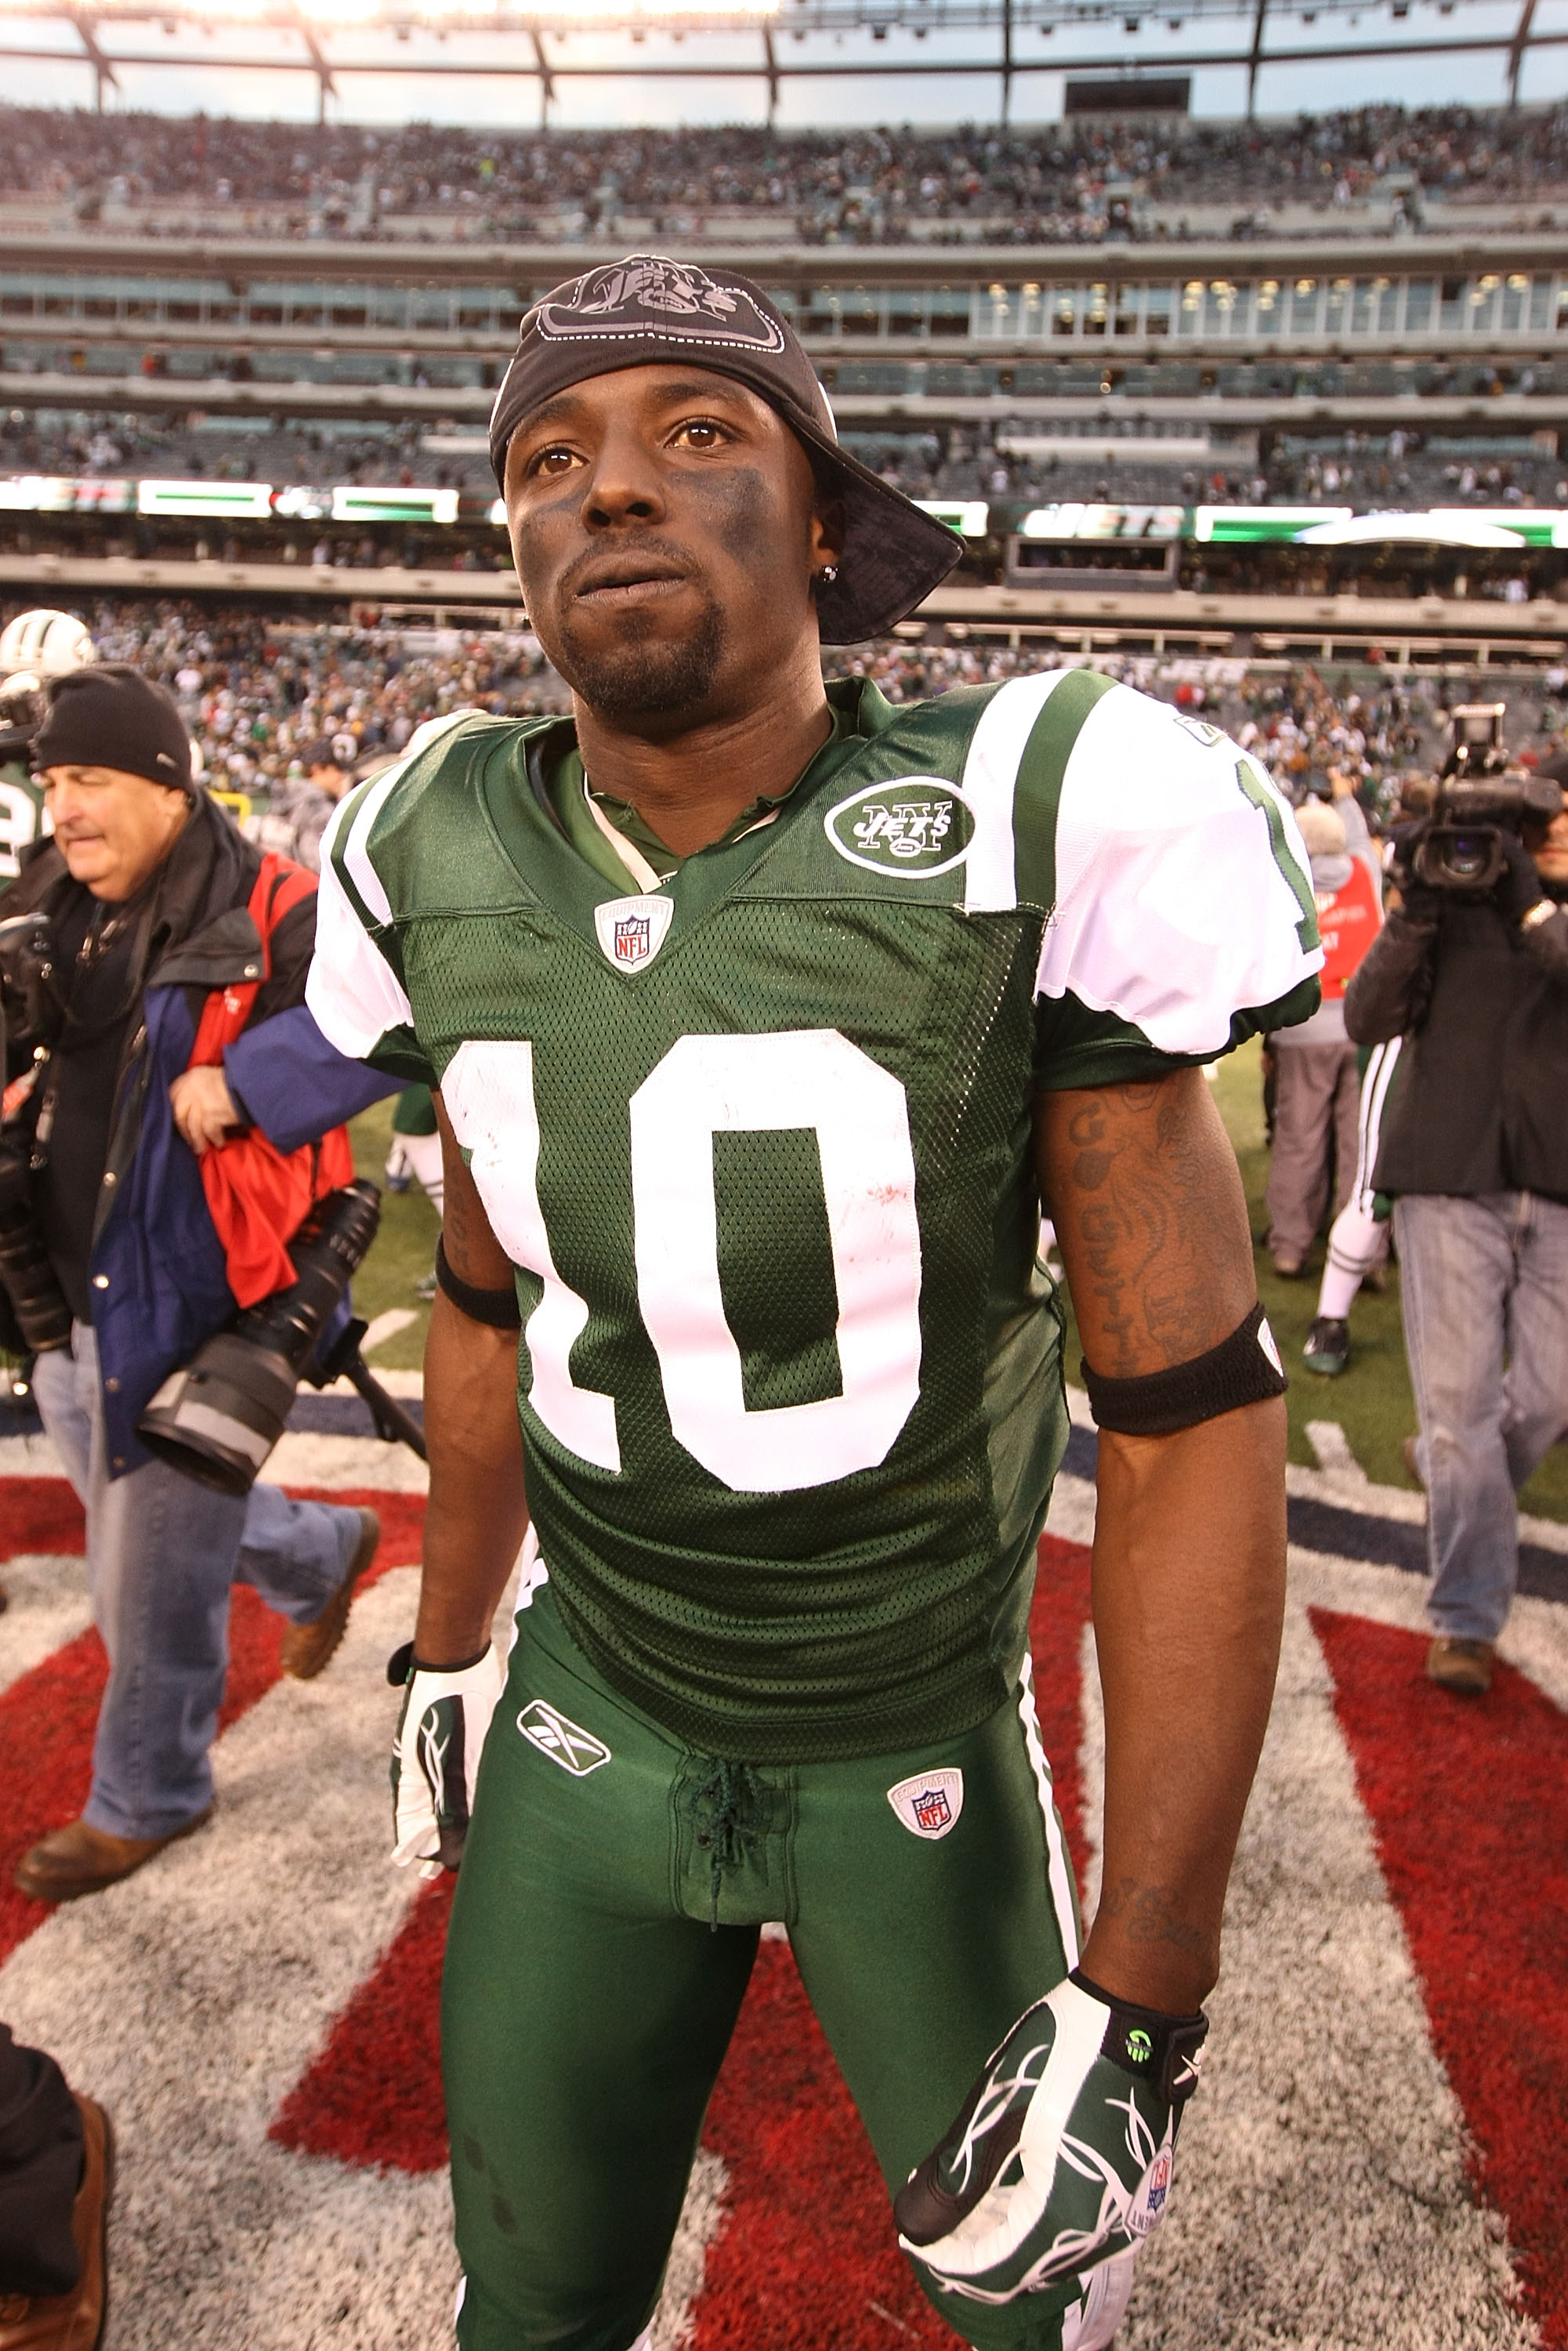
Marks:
<point>646,311</point>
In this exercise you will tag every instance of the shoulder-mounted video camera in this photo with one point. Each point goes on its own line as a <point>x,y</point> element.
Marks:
<point>1463,813</point>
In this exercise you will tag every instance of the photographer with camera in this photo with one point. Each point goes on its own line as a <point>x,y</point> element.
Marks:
<point>1471,967</point>
<point>158,982</point>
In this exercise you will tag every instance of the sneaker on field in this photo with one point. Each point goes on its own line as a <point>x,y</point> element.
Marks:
<point>1328,1347</point>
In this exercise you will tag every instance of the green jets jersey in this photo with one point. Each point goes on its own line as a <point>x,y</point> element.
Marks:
<point>21,815</point>
<point>758,1143</point>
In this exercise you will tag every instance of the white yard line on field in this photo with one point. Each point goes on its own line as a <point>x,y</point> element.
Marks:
<point>49,1606</point>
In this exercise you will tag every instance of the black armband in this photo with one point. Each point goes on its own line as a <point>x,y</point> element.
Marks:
<point>402,1664</point>
<point>499,1308</point>
<point>1243,1369</point>
<point>1149,2045</point>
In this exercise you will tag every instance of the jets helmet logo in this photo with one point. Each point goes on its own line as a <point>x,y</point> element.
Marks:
<point>930,1803</point>
<point>564,1741</point>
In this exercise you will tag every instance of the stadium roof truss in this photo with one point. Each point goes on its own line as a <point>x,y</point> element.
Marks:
<point>311,36</point>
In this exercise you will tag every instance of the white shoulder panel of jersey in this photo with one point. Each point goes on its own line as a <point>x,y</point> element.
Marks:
<point>350,987</point>
<point>989,784</point>
<point>352,990</point>
<point>1174,903</point>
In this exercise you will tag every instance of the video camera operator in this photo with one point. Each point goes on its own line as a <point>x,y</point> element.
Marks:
<point>1472,969</point>
<point>147,910</point>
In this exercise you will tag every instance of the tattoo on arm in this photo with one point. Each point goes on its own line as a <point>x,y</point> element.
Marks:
<point>1147,1198</point>
<point>1147,1916</point>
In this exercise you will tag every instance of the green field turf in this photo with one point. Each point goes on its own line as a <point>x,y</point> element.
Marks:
<point>1371,1402</point>
<point>404,1251</point>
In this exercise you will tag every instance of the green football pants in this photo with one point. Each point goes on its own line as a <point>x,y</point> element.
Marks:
<point>589,1997</point>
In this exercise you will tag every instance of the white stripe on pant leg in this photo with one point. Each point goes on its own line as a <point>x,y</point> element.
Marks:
<point>1379,1077</point>
<point>1357,1239</point>
<point>1059,1860</point>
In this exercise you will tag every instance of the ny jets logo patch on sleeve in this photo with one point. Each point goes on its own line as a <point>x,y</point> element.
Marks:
<point>930,1803</point>
<point>633,930</point>
<point>564,1741</point>
<point>914,827</point>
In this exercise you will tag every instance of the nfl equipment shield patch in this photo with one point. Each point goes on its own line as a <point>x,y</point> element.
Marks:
<point>930,1803</point>
<point>633,930</point>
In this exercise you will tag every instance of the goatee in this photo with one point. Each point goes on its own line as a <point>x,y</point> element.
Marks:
<point>651,678</point>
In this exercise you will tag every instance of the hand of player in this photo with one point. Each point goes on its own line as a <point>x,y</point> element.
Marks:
<point>435,1755</point>
<point>1518,886</point>
<point>1060,2158</point>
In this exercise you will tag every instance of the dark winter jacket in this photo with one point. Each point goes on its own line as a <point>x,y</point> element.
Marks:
<point>1481,1101</point>
<point>158,1274</point>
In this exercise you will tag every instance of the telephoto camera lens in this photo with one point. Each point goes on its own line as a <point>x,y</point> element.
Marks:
<point>219,1417</point>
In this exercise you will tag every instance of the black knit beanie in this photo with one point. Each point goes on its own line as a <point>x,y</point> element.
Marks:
<point>111,716</point>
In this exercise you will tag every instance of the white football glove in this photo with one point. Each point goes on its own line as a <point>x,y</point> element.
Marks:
<point>1060,2160</point>
<point>435,1755</point>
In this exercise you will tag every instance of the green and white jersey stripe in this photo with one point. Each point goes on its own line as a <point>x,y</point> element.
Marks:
<point>758,1142</point>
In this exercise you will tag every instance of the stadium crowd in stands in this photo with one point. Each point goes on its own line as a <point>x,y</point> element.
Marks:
<point>1042,185</point>
<point>256,694</point>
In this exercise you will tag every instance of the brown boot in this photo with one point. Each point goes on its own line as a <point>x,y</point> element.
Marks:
<point>1462,1667</point>
<point>79,1859</point>
<point>74,2321</point>
<point>307,1647</point>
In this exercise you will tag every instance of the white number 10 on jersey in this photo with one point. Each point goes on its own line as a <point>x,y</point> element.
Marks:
<point>811,1078</point>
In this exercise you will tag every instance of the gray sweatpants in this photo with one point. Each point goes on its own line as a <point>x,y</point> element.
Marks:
<point>1315,1101</point>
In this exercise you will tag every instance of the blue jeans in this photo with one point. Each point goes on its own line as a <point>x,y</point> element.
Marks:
<point>1485,1288</point>
<point>162,1552</point>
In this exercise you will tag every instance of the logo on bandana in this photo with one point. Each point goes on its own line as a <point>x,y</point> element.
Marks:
<point>913,827</point>
<point>651,296</point>
<point>930,1803</point>
<point>633,930</point>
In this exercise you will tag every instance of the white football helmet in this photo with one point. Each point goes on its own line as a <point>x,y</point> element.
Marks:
<point>44,644</point>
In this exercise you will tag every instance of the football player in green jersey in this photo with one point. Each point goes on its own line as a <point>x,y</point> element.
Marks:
<point>762,1019</point>
<point>34,648</point>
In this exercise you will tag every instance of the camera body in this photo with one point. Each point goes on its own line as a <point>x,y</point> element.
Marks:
<point>32,1013</point>
<point>32,1009</point>
<point>1464,813</point>
<point>219,1417</point>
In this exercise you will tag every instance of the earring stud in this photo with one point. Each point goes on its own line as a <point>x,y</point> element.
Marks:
<point>827,574</point>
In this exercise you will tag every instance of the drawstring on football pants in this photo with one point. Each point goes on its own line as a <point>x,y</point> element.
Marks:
<point>727,1805</point>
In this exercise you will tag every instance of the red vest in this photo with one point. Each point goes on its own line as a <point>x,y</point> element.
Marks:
<point>1348,922</point>
<point>256,1196</point>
